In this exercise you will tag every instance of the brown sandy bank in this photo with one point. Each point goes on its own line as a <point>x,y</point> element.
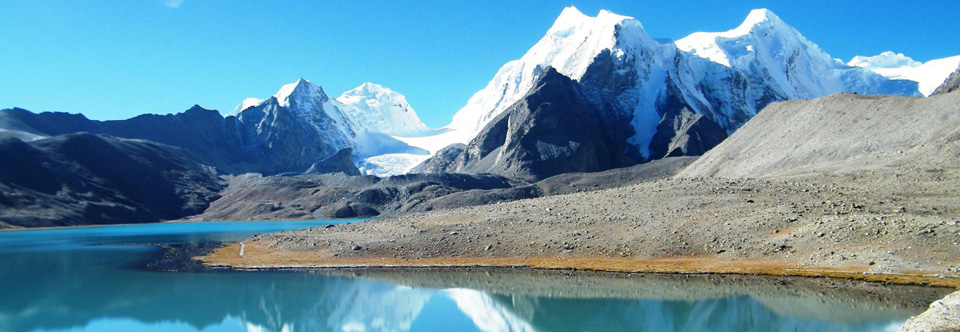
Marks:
<point>257,258</point>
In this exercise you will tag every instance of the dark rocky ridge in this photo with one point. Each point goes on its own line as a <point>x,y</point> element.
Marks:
<point>266,139</point>
<point>81,179</point>
<point>254,197</point>
<point>203,134</point>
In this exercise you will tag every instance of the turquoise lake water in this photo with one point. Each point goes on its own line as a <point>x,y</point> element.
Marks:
<point>92,279</point>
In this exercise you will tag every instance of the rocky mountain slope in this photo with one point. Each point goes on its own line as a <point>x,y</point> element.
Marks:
<point>552,130</point>
<point>843,133</point>
<point>82,179</point>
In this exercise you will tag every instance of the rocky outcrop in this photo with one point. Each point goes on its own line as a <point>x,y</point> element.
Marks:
<point>82,179</point>
<point>341,162</point>
<point>943,316</point>
<point>951,84</point>
<point>254,197</point>
<point>685,133</point>
<point>444,161</point>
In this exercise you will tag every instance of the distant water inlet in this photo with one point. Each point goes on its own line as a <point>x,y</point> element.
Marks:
<point>85,280</point>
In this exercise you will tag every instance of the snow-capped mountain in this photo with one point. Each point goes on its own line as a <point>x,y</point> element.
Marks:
<point>765,46</point>
<point>635,83</point>
<point>570,46</point>
<point>897,66</point>
<point>727,76</point>
<point>362,119</point>
<point>632,80</point>
<point>311,106</point>
<point>380,109</point>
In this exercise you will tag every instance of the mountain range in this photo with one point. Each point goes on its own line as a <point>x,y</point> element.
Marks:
<point>595,93</point>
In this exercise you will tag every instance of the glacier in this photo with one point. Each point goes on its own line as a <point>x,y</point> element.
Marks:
<point>929,75</point>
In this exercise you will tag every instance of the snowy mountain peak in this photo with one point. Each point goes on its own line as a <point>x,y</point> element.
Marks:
<point>300,89</point>
<point>759,25</point>
<point>569,46</point>
<point>570,14</point>
<point>573,17</point>
<point>573,22</point>
<point>378,108</point>
<point>760,16</point>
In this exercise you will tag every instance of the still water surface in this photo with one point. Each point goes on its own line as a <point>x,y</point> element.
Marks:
<point>92,279</point>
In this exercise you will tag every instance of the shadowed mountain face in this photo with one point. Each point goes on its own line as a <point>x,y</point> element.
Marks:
<point>80,179</point>
<point>685,133</point>
<point>557,128</point>
<point>552,130</point>
<point>203,134</point>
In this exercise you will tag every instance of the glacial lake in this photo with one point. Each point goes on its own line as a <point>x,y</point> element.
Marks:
<point>95,279</point>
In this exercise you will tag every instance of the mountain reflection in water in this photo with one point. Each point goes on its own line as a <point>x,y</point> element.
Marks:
<point>78,285</point>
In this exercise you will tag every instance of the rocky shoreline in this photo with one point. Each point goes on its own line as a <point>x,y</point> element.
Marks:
<point>839,225</point>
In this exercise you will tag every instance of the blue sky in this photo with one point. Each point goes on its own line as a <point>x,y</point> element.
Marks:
<point>117,59</point>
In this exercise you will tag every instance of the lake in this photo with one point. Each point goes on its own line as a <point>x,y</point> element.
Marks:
<point>95,279</point>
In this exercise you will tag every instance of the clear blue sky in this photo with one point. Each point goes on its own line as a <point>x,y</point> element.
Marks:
<point>116,59</point>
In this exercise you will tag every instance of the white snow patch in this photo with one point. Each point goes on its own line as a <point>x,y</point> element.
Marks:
<point>247,103</point>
